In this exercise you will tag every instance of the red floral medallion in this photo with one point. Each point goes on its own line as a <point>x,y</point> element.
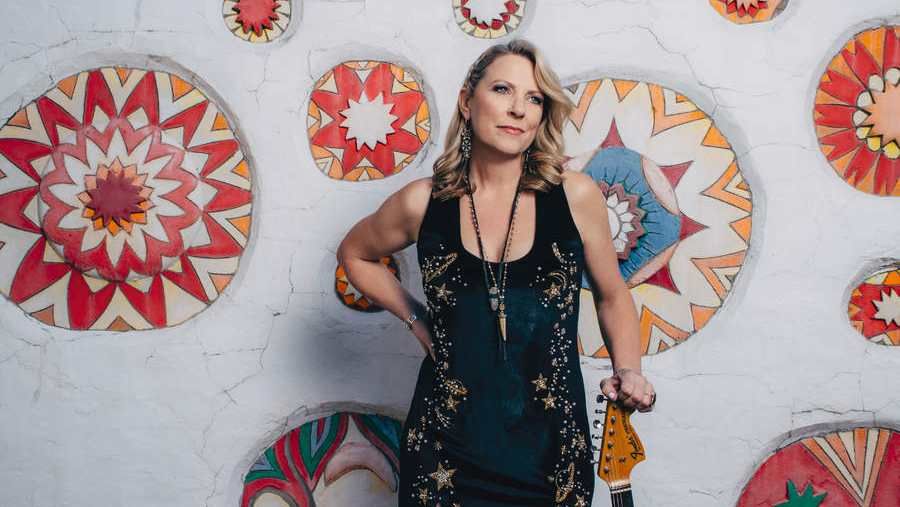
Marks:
<point>257,20</point>
<point>488,19</point>
<point>748,11</point>
<point>857,112</point>
<point>125,202</point>
<point>367,120</point>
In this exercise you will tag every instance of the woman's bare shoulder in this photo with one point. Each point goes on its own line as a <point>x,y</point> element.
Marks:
<point>586,203</point>
<point>404,209</point>
<point>419,188</point>
<point>413,197</point>
<point>578,186</point>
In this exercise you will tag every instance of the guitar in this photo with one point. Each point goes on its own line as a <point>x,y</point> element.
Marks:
<point>620,450</point>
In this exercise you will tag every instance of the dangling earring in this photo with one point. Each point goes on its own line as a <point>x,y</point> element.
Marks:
<point>526,165</point>
<point>466,143</point>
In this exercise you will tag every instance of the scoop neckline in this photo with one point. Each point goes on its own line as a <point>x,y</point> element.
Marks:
<point>534,241</point>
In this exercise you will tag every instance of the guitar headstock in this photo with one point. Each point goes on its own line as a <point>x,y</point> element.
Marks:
<point>620,448</point>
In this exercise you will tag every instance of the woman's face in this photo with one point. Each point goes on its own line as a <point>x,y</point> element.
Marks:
<point>506,107</point>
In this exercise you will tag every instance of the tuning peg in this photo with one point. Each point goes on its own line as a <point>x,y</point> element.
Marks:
<point>601,398</point>
<point>598,411</point>
<point>597,424</point>
<point>595,437</point>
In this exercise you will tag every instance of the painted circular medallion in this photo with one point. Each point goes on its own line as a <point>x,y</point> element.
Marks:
<point>125,201</point>
<point>748,11</point>
<point>678,207</point>
<point>343,459</point>
<point>874,308</point>
<point>857,112</point>
<point>489,19</point>
<point>257,20</point>
<point>859,467</point>
<point>367,120</point>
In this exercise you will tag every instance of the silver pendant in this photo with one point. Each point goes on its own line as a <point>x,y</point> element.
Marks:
<point>493,298</point>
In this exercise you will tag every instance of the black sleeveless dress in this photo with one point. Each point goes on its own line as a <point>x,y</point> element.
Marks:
<point>484,431</point>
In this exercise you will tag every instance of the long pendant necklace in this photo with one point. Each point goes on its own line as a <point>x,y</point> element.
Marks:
<point>496,291</point>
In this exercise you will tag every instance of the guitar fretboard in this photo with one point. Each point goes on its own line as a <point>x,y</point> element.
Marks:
<point>621,497</point>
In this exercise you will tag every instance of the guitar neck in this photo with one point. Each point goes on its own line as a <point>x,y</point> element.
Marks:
<point>622,497</point>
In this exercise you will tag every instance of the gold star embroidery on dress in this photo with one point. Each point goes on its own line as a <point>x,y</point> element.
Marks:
<point>451,403</point>
<point>442,476</point>
<point>549,401</point>
<point>411,436</point>
<point>540,383</point>
<point>443,293</point>
<point>580,501</point>
<point>553,291</point>
<point>579,442</point>
<point>423,495</point>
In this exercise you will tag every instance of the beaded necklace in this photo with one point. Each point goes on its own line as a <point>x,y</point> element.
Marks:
<point>496,291</point>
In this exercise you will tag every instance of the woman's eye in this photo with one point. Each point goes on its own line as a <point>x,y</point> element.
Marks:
<point>537,100</point>
<point>500,88</point>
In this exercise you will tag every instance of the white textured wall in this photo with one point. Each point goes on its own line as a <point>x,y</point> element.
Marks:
<point>174,417</point>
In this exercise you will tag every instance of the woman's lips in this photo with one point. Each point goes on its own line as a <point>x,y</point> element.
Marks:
<point>511,130</point>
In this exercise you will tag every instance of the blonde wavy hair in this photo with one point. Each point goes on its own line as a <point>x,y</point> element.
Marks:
<point>545,155</point>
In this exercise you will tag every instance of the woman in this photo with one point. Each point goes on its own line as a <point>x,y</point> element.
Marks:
<point>504,236</point>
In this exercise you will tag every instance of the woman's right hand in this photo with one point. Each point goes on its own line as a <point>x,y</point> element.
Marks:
<point>422,331</point>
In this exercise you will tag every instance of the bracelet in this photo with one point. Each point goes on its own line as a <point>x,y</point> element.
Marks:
<point>409,320</point>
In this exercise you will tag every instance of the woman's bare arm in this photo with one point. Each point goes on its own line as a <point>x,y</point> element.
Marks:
<point>393,227</point>
<point>615,307</point>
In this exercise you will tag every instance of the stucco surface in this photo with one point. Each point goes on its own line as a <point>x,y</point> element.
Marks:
<point>176,416</point>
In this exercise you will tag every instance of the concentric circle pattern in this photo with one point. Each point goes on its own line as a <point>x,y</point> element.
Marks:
<point>312,464</point>
<point>350,295</point>
<point>748,11</point>
<point>874,308</point>
<point>488,19</point>
<point>678,207</point>
<point>857,111</point>
<point>257,20</point>
<point>124,202</point>
<point>367,120</point>
<point>859,467</point>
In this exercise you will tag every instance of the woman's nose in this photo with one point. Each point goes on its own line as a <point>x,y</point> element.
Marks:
<point>517,107</point>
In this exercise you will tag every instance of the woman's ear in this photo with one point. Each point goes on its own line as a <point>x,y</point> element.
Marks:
<point>463,103</point>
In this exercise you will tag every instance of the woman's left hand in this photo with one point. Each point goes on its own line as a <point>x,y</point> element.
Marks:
<point>630,388</point>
